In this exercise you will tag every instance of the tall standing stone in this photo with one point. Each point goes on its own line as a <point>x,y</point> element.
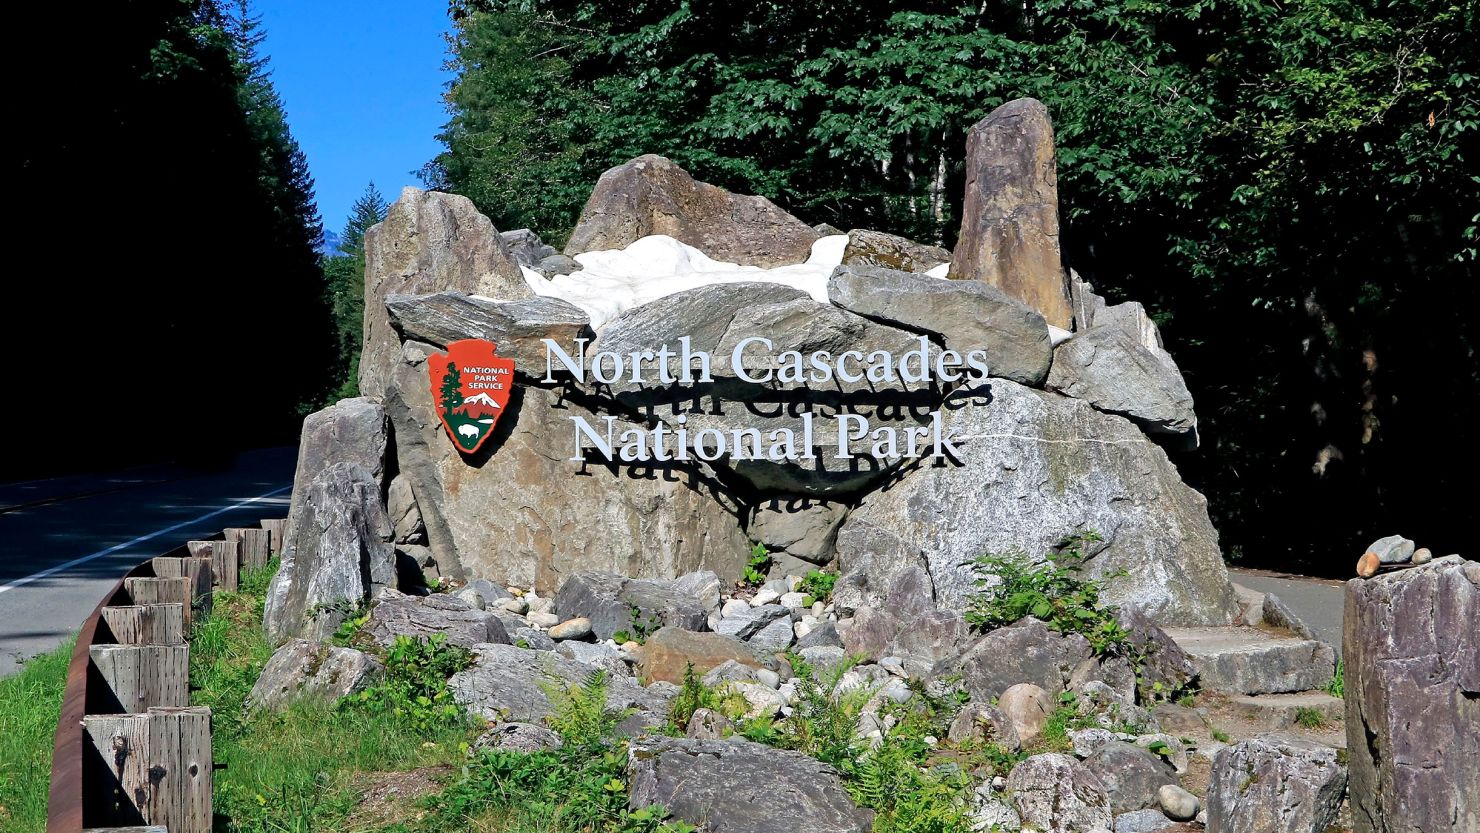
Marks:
<point>336,558</point>
<point>427,243</point>
<point>1412,654</point>
<point>349,431</point>
<point>1010,217</point>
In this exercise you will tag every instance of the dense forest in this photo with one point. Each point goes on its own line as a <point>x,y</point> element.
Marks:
<point>1291,188</point>
<point>168,232</point>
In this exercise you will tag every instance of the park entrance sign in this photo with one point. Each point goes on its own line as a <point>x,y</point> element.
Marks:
<point>470,390</point>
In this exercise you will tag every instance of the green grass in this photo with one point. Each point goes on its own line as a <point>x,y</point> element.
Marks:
<point>1337,686</point>
<point>294,771</point>
<point>30,704</point>
<point>1310,718</point>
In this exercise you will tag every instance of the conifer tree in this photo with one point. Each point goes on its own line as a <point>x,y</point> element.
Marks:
<point>345,274</point>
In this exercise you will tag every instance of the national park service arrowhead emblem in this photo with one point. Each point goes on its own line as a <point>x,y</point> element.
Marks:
<point>470,389</point>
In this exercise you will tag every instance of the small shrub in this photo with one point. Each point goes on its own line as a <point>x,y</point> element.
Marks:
<point>760,562</point>
<point>415,684</point>
<point>693,695</point>
<point>1220,735</point>
<point>818,585</point>
<point>1053,592</point>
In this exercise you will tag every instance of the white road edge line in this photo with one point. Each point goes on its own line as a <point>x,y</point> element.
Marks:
<point>139,540</point>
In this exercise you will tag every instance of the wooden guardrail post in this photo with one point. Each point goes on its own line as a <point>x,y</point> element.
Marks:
<point>196,570</point>
<point>151,624</point>
<point>277,529</point>
<point>146,591</point>
<point>131,678</point>
<point>256,548</point>
<point>151,768</point>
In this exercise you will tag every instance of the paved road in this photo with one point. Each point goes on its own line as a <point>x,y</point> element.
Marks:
<point>64,542</point>
<point>1319,602</point>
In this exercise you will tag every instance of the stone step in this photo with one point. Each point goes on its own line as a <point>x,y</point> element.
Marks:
<point>1272,712</point>
<point>1242,660</point>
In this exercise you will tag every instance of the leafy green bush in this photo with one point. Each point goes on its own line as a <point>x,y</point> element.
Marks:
<point>1053,592</point>
<point>818,585</point>
<point>577,787</point>
<point>693,695</point>
<point>415,684</point>
<point>755,569</point>
<point>1310,718</point>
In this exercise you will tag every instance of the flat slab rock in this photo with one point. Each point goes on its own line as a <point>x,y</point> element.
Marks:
<point>737,786</point>
<point>511,683</point>
<point>397,614</point>
<point>1251,661</point>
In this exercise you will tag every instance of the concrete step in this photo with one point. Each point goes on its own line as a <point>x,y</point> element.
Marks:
<point>1242,660</point>
<point>1272,712</point>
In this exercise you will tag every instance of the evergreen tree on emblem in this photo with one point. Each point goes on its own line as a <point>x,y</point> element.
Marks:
<point>452,398</point>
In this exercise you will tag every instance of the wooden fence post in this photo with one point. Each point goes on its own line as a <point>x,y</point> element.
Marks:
<point>152,768</point>
<point>152,624</point>
<point>276,527</point>
<point>196,570</point>
<point>147,591</point>
<point>256,548</point>
<point>131,678</point>
<point>199,549</point>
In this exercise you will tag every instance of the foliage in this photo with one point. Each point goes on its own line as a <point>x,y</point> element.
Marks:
<point>1053,591</point>
<point>907,795</point>
<point>292,770</point>
<point>414,688</point>
<point>344,276</point>
<point>818,585</point>
<point>755,569</point>
<point>693,695</point>
<point>1220,735</point>
<point>1290,188</point>
<point>167,114</point>
<point>1337,685</point>
<point>30,705</point>
<point>1310,718</point>
<point>577,787</point>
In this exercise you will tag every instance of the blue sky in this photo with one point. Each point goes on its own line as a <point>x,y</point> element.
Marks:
<point>363,83</point>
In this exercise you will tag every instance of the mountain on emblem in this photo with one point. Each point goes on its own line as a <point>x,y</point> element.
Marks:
<point>470,389</point>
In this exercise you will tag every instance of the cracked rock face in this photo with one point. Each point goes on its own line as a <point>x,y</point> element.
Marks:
<point>1275,784</point>
<point>737,786</point>
<point>1037,469</point>
<point>1412,662</point>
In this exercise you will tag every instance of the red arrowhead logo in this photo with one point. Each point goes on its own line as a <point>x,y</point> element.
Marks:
<point>470,389</point>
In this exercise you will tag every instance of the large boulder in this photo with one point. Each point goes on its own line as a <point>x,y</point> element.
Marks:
<point>521,512</point>
<point>1411,650</point>
<point>802,527</point>
<point>1131,775</point>
<point>421,617</point>
<point>615,604</point>
<point>716,319</point>
<point>517,328</point>
<point>875,248</point>
<point>737,786</point>
<point>336,558</point>
<point>507,683</point>
<point>1054,793</point>
<point>1036,469</point>
<point>349,431</point>
<point>964,315</point>
<point>1010,216</point>
<point>428,242</point>
<point>1279,784</point>
<point>303,670</point>
<point>1024,652</point>
<point>1109,369</point>
<point>652,195</point>
<point>668,653</point>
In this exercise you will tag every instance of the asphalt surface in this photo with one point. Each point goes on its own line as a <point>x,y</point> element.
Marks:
<point>1318,602</point>
<point>65,541</point>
